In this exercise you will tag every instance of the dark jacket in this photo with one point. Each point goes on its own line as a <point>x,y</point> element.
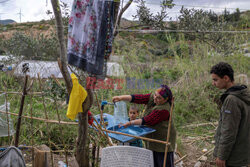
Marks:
<point>232,138</point>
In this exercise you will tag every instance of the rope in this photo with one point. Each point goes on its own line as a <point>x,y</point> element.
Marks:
<point>196,6</point>
<point>179,31</point>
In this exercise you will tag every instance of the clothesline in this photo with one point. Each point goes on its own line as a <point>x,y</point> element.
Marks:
<point>194,6</point>
<point>180,31</point>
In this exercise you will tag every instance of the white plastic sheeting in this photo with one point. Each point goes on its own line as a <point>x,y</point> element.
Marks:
<point>44,68</point>
<point>4,120</point>
<point>114,69</point>
<point>48,68</point>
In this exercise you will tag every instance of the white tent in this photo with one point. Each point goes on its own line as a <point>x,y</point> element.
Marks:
<point>114,69</point>
<point>48,68</point>
<point>44,68</point>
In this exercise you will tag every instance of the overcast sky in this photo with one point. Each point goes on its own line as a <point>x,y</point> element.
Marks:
<point>35,10</point>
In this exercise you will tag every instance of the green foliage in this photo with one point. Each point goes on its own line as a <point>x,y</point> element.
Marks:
<point>203,22</point>
<point>145,16</point>
<point>54,90</point>
<point>32,48</point>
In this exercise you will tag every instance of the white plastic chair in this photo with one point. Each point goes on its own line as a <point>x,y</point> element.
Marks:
<point>126,156</point>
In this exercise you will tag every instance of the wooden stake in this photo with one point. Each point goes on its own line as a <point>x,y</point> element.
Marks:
<point>208,152</point>
<point>42,119</point>
<point>61,130</point>
<point>46,116</point>
<point>102,120</point>
<point>7,112</point>
<point>31,129</point>
<point>168,136</point>
<point>176,162</point>
<point>97,156</point>
<point>21,110</point>
<point>137,137</point>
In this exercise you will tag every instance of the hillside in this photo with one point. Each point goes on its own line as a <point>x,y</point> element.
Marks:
<point>7,21</point>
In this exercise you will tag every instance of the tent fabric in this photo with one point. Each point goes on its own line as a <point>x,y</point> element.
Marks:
<point>4,121</point>
<point>114,70</point>
<point>12,157</point>
<point>47,68</point>
<point>44,68</point>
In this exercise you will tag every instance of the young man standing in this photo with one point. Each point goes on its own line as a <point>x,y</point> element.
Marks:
<point>232,138</point>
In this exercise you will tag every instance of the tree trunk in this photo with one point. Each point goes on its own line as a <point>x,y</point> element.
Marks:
<point>118,21</point>
<point>82,150</point>
<point>63,51</point>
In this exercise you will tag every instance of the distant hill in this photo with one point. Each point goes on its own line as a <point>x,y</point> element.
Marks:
<point>7,21</point>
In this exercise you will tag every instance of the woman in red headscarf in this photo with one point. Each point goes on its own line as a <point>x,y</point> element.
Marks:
<point>156,116</point>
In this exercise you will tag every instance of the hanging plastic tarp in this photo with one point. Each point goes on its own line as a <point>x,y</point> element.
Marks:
<point>4,127</point>
<point>12,157</point>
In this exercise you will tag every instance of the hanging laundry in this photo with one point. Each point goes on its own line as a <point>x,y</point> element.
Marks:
<point>77,97</point>
<point>90,35</point>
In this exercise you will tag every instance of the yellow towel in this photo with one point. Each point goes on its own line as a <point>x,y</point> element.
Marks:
<point>77,96</point>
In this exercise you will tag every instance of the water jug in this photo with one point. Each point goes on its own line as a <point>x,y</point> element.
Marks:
<point>120,112</point>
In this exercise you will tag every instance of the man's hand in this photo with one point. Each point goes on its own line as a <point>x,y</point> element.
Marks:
<point>220,163</point>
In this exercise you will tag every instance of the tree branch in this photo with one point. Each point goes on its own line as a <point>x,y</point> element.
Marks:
<point>120,15</point>
<point>63,53</point>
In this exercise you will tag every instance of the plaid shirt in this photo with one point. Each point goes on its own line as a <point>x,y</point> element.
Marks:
<point>156,116</point>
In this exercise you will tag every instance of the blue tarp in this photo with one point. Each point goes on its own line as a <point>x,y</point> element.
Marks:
<point>135,130</point>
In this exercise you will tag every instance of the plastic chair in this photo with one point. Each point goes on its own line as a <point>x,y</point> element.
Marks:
<point>126,156</point>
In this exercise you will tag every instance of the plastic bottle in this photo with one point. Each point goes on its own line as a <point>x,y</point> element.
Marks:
<point>61,164</point>
<point>120,112</point>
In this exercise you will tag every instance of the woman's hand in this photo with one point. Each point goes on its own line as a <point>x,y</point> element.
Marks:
<point>117,98</point>
<point>122,98</point>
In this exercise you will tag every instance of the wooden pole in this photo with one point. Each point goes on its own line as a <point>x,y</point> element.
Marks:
<point>97,155</point>
<point>168,136</point>
<point>21,111</point>
<point>46,116</point>
<point>102,120</point>
<point>7,112</point>
<point>137,137</point>
<point>42,119</point>
<point>31,129</point>
<point>179,160</point>
<point>61,130</point>
<point>93,154</point>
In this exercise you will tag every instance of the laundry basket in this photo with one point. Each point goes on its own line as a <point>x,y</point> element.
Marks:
<point>126,156</point>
